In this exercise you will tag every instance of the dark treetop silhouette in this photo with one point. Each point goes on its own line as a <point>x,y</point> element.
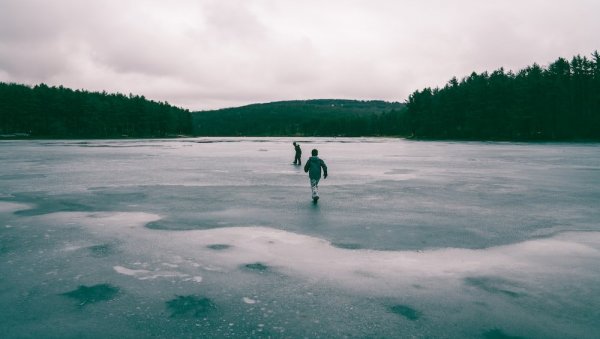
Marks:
<point>557,102</point>
<point>58,112</point>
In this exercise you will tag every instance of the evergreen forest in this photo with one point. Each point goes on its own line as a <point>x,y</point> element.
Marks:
<point>557,102</point>
<point>58,112</point>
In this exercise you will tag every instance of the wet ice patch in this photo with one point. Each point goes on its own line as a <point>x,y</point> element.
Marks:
<point>218,247</point>
<point>92,294</point>
<point>190,306</point>
<point>495,285</point>
<point>260,267</point>
<point>348,246</point>
<point>406,311</point>
<point>101,251</point>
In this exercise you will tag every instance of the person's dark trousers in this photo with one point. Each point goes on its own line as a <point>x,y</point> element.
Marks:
<point>297,160</point>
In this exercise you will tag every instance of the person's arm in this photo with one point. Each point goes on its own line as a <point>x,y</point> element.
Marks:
<point>307,165</point>
<point>324,169</point>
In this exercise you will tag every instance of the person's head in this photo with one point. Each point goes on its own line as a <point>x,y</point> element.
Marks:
<point>315,152</point>
<point>294,143</point>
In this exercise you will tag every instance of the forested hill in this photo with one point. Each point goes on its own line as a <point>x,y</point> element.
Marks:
<point>557,102</point>
<point>58,112</point>
<point>324,117</point>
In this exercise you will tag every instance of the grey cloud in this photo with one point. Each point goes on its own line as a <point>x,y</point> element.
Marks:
<point>233,22</point>
<point>211,53</point>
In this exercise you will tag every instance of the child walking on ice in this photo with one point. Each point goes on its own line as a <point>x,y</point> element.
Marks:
<point>298,154</point>
<point>313,167</point>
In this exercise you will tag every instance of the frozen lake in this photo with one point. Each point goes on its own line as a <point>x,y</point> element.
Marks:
<point>218,237</point>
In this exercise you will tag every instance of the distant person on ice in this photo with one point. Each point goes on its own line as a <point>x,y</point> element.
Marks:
<point>298,156</point>
<point>313,167</point>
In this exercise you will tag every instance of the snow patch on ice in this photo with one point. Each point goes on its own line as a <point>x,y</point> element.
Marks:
<point>163,275</point>
<point>70,248</point>
<point>567,254</point>
<point>197,279</point>
<point>151,275</point>
<point>130,272</point>
<point>10,207</point>
<point>249,300</point>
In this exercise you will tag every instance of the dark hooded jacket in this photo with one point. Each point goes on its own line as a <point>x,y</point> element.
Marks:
<point>313,167</point>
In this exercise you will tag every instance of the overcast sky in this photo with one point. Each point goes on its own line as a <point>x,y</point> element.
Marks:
<point>204,54</point>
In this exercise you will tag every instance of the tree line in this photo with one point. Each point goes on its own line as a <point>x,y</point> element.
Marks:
<point>557,102</point>
<point>58,112</point>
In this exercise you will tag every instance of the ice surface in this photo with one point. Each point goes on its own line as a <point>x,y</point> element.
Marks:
<point>219,238</point>
<point>9,207</point>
